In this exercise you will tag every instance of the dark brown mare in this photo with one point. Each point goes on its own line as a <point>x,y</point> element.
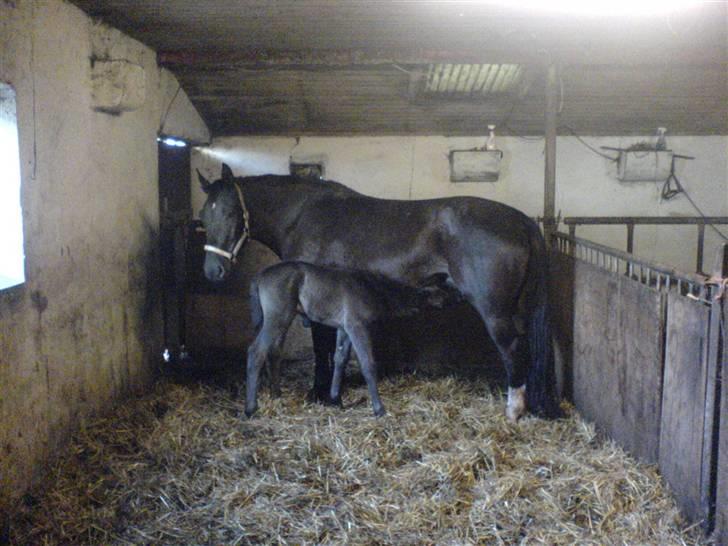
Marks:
<point>357,303</point>
<point>492,253</point>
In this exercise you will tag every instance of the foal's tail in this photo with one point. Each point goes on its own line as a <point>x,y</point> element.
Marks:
<point>256,310</point>
<point>542,398</point>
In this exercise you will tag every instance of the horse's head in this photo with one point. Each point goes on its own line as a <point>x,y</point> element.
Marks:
<point>225,219</point>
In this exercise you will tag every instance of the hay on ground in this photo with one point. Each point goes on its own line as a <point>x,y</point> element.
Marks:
<point>182,465</point>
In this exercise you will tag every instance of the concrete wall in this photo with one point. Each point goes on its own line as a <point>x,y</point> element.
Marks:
<point>84,329</point>
<point>417,167</point>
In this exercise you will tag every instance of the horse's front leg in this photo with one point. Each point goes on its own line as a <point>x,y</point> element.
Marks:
<point>324,346</point>
<point>341,357</point>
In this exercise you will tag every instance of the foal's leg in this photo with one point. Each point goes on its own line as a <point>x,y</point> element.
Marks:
<point>266,344</point>
<point>324,345</point>
<point>257,354</point>
<point>361,339</point>
<point>341,357</point>
<point>514,350</point>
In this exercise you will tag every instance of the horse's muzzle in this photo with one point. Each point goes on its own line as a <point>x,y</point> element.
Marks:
<point>216,270</point>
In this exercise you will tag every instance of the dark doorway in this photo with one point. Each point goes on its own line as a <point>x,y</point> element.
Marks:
<point>175,212</point>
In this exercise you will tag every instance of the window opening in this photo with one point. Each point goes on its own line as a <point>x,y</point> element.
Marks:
<point>12,256</point>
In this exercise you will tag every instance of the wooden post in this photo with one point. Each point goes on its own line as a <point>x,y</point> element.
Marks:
<point>630,238</point>
<point>549,195</point>
<point>701,245</point>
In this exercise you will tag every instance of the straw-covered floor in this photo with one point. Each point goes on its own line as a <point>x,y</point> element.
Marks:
<point>181,466</point>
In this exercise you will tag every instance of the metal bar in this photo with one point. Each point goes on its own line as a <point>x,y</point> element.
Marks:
<point>646,220</point>
<point>656,266</point>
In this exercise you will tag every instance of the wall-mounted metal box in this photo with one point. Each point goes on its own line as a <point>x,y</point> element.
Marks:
<point>475,165</point>
<point>644,165</point>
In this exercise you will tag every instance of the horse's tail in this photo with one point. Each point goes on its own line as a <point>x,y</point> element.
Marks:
<point>541,395</point>
<point>256,310</point>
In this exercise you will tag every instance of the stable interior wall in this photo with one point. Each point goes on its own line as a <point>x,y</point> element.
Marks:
<point>586,185</point>
<point>84,330</point>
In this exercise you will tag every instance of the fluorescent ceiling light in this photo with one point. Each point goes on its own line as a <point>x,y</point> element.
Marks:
<point>172,142</point>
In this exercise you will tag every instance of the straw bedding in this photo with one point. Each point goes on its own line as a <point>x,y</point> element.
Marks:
<point>183,466</point>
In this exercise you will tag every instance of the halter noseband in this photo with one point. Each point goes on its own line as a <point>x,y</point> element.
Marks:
<point>233,254</point>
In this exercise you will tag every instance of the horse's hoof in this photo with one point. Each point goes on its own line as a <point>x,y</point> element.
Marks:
<point>380,412</point>
<point>317,397</point>
<point>516,406</point>
<point>337,402</point>
<point>250,413</point>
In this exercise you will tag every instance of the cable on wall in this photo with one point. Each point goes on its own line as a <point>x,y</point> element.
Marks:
<point>169,107</point>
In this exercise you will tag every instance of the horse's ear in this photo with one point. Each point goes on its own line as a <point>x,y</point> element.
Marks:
<point>204,183</point>
<point>227,172</point>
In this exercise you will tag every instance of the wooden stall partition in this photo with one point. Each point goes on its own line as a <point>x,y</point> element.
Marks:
<point>618,356</point>
<point>691,398</point>
<point>684,401</point>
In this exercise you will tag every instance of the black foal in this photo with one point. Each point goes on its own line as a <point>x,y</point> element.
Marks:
<point>353,301</point>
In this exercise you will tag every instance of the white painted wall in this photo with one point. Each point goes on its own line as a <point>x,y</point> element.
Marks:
<point>417,168</point>
<point>84,330</point>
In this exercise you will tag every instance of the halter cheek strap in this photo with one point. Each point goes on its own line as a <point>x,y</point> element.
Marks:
<point>233,254</point>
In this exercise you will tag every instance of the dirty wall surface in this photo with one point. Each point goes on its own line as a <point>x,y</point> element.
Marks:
<point>85,327</point>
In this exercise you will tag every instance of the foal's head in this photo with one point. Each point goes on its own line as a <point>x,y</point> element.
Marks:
<point>225,220</point>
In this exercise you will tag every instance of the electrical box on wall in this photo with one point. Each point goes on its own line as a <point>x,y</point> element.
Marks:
<point>475,165</point>
<point>644,165</point>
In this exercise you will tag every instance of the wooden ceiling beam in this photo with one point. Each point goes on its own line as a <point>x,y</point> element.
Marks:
<point>341,58</point>
<point>625,54</point>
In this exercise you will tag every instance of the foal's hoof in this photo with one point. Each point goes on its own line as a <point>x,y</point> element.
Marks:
<point>250,413</point>
<point>337,402</point>
<point>381,412</point>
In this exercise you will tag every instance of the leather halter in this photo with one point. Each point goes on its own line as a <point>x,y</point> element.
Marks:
<point>233,254</point>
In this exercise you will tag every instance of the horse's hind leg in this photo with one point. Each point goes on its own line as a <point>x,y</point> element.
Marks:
<point>362,342</point>
<point>514,350</point>
<point>341,357</point>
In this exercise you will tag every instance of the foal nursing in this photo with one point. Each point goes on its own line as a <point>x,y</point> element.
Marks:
<point>355,302</point>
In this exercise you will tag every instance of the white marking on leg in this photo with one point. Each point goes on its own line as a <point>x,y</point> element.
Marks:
<point>516,406</point>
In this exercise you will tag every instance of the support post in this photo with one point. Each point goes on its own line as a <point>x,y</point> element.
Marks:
<point>549,195</point>
<point>630,238</point>
<point>714,474</point>
<point>701,247</point>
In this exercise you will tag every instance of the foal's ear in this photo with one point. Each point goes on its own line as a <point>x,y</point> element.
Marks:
<point>204,183</point>
<point>227,172</point>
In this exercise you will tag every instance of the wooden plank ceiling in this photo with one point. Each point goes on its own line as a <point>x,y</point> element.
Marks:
<point>324,67</point>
